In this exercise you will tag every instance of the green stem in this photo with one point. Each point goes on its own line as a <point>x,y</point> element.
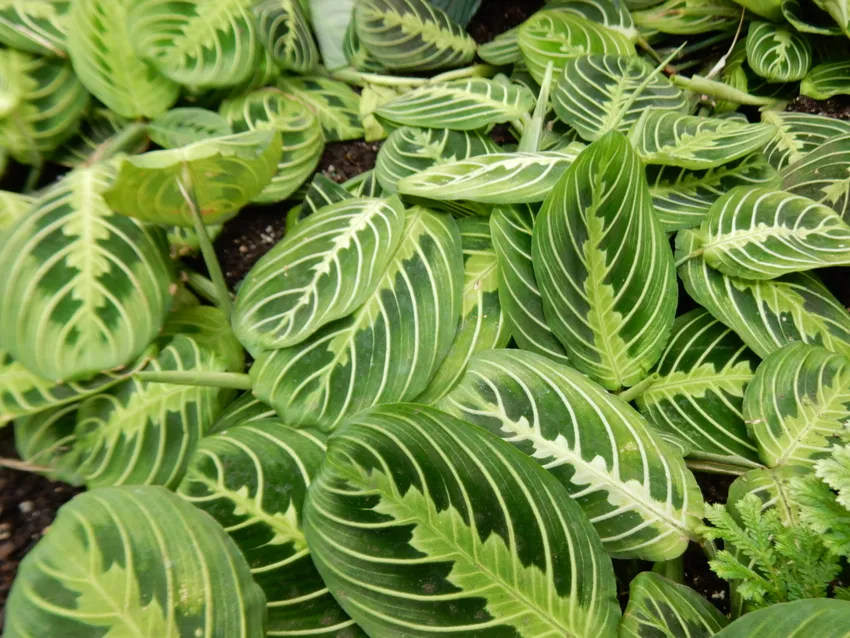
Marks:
<point>530,140</point>
<point>673,569</point>
<point>688,257</point>
<point>706,43</point>
<point>362,78</point>
<point>232,380</point>
<point>630,394</point>
<point>716,467</point>
<point>709,549</point>
<point>646,46</point>
<point>34,175</point>
<point>203,286</point>
<point>474,71</point>
<point>719,91</point>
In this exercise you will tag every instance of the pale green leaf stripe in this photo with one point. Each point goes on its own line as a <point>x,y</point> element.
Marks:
<point>482,323</point>
<point>698,393</point>
<point>497,178</point>
<point>681,197</point>
<point>686,17</point>
<point>235,477</point>
<point>385,351</point>
<point>13,206</point>
<point>798,403</point>
<point>676,139</point>
<point>486,541</point>
<point>826,80</point>
<point>759,233</point>
<point>557,36</point>
<point>322,271</point>
<point>136,562</point>
<point>187,125</point>
<point>335,104</point>
<point>798,134</point>
<point>808,18</point>
<point>823,175</point>
<point>829,618</point>
<point>501,50</point>
<point>839,11</point>
<point>243,411</point>
<point>773,487</point>
<point>46,440</point>
<point>83,290</point>
<point>613,16</point>
<point>462,105</point>
<point>104,60</point>
<point>285,32</point>
<point>766,314</point>
<point>659,605</point>
<point>411,35</point>
<point>606,278</point>
<point>777,53</point>
<point>35,26</point>
<point>637,492</point>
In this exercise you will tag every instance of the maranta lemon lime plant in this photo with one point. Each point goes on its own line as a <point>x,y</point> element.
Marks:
<point>470,390</point>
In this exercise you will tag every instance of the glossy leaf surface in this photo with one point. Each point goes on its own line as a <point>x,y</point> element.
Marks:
<point>793,620</point>
<point>777,53</point>
<point>823,175</point>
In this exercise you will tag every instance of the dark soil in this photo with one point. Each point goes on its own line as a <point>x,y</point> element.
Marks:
<point>838,106</point>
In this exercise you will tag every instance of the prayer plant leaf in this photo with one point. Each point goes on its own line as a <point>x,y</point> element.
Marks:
<point>502,50</point>
<point>777,53</point>
<point>485,541</point>
<point>323,192</point>
<point>184,241</point>
<point>135,561</point>
<point>253,480</point>
<point>460,105</point>
<point>688,141</point>
<point>826,80</point>
<point>482,323</point>
<point>461,11</point>
<point>595,94</point>
<point>35,26</point>
<point>335,104</point>
<point>793,620</point>
<point>98,130</point>
<point>327,267</point>
<point>285,32</point>
<point>698,392</point>
<point>411,35</point>
<point>659,606</point>
<point>798,134</point>
<point>840,12</point>
<point>519,296</point>
<point>637,492</point>
<point>300,132</point>
<point>688,17</point>
<point>245,410</point>
<point>823,175</point>
<point>389,348</point>
<point>13,206</point>
<point>207,43</point>
<point>611,15</point>
<point>806,17</point>
<point>605,273</point>
<point>46,441</point>
<point>766,314</point>
<point>557,36</point>
<point>773,487</point>
<point>210,328</point>
<point>187,125</point>
<point>223,174</point>
<point>681,197</point>
<point>99,44</point>
<point>759,233</point>
<point>798,404</point>
<point>331,20</point>
<point>97,283</point>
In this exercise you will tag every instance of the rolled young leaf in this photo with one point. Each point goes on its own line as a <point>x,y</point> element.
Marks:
<point>135,562</point>
<point>798,403</point>
<point>322,271</point>
<point>475,525</point>
<point>823,175</point>
<point>826,80</point>
<point>285,32</point>
<point>777,53</point>
<point>793,620</point>
<point>605,273</point>
<point>637,492</point>
<point>809,18</point>
<point>798,134</point>
<point>331,19</point>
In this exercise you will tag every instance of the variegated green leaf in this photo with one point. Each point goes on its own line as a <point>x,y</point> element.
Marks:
<point>331,19</point>
<point>511,228</point>
<point>357,56</point>
<point>99,43</point>
<point>84,290</point>
<point>135,562</point>
<point>766,314</point>
<point>502,50</point>
<point>687,17</point>
<point>461,11</point>
<point>41,104</point>
<point>207,43</point>
<point>323,192</point>
<point>335,104</point>
<point>187,125</point>
<point>46,441</point>
<point>698,392</point>
<point>497,178</point>
<point>210,329</point>
<point>777,53</point>
<point>807,17</point>
<point>223,174</point>
<point>826,80</point>
<point>484,541</point>
<point>460,105</point>
<point>614,16</point>
<point>13,206</point>
<point>839,10</point>
<point>681,197</point>
<point>769,9</point>
<point>482,323</point>
<point>661,607</point>
<point>99,130</point>
<point>328,266</point>
<point>798,403</point>
<point>558,36</point>
<point>596,94</point>
<point>184,241</point>
<point>364,185</point>
<point>773,486</point>
<point>388,349</point>
<point>253,480</point>
<point>300,132</point>
<point>688,141</point>
<point>793,620</point>
<point>411,35</point>
<point>244,410</point>
<point>823,175</point>
<point>600,256</point>
<point>759,233</point>
<point>798,134</point>
<point>285,33</point>
<point>636,491</point>
<point>35,26</point>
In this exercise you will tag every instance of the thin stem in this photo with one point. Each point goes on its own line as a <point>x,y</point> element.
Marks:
<point>474,71</point>
<point>232,380</point>
<point>705,43</point>
<point>530,140</point>
<point>34,175</point>
<point>362,78</point>
<point>646,46</point>
<point>738,462</point>
<point>719,90</point>
<point>717,68</point>
<point>673,569</point>
<point>709,549</point>
<point>203,286</point>
<point>688,257</point>
<point>630,394</point>
<point>23,466</point>
<point>205,243</point>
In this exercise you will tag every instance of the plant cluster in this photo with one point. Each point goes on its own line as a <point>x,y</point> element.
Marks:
<point>469,388</point>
